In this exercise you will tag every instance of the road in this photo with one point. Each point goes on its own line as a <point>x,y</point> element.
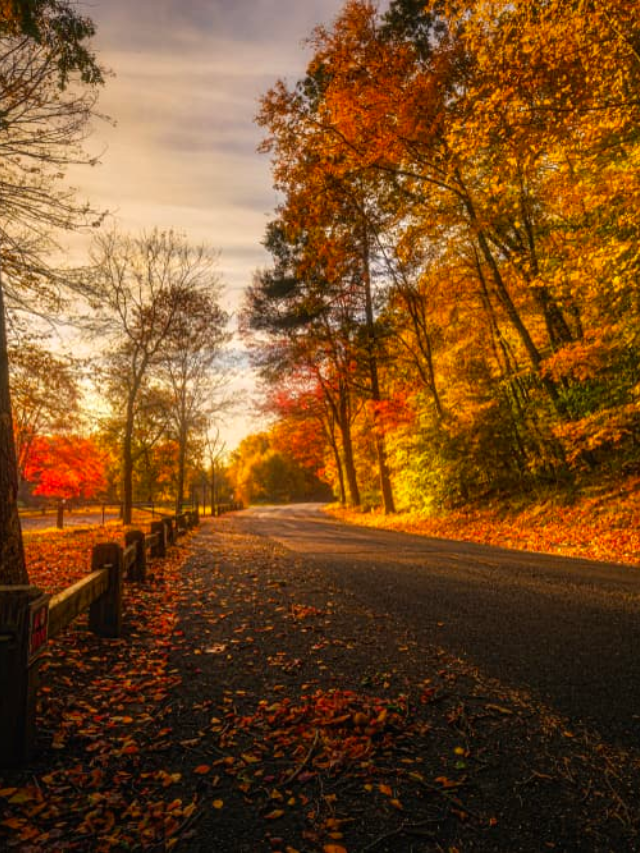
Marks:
<point>565,630</point>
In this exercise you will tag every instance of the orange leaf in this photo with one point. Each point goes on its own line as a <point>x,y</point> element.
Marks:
<point>274,815</point>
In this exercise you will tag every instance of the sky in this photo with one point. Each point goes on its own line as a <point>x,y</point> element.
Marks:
<point>181,149</point>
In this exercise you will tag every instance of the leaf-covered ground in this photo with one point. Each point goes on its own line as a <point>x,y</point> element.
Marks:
<point>57,559</point>
<point>253,706</point>
<point>601,524</point>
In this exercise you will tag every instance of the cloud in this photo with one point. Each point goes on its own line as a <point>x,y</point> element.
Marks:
<point>182,153</point>
<point>188,76</point>
<point>166,24</point>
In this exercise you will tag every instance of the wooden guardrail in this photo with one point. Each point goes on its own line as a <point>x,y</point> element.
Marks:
<point>220,509</point>
<point>28,619</point>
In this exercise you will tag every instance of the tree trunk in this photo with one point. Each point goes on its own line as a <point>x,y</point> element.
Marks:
<point>213,487</point>
<point>344,424</point>
<point>423,359</point>
<point>127,466</point>
<point>350,468</point>
<point>330,433</point>
<point>182,457</point>
<point>13,568</point>
<point>383,467</point>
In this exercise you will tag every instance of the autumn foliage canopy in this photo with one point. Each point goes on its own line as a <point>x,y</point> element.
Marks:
<point>455,260</point>
<point>66,467</point>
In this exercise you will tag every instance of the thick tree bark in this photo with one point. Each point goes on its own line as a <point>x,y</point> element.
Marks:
<point>350,468</point>
<point>13,568</point>
<point>331,438</point>
<point>340,472</point>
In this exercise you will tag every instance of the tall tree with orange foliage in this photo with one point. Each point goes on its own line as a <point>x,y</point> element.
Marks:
<point>329,205</point>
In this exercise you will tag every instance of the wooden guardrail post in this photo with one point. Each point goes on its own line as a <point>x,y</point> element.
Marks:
<point>160,549</point>
<point>23,635</point>
<point>137,571</point>
<point>105,614</point>
<point>169,531</point>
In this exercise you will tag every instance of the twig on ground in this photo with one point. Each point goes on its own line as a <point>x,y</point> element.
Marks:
<point>307,758</point>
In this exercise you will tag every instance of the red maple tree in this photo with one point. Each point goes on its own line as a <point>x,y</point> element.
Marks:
<point>65,467</point>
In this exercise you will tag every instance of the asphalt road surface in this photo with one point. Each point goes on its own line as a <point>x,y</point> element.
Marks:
<point>565,630</point>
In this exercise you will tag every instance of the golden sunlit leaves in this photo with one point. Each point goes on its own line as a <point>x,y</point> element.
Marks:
<point>496,160</point>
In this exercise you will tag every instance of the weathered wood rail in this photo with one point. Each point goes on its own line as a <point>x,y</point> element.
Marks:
<point>29,618</point>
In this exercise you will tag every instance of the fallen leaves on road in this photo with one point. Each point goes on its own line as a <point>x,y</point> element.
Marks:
<point>251,704</point>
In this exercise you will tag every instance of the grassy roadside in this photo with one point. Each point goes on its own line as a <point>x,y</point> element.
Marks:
<point>603,523</point>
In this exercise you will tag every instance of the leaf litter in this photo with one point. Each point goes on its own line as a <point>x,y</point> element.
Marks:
<point>252,706</point>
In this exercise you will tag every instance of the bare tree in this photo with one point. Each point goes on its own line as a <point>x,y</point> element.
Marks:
<point>148,292</point>
<point>187,368</point>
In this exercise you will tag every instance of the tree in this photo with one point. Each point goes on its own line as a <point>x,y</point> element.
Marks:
<point>45,396</point>
<point>65,466</point>
<point>309,330</point>
<point>147,290</point>
<point>330,204</point>
<point>264,472</point>
<point>186,368</point>
<point>43,49</point>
